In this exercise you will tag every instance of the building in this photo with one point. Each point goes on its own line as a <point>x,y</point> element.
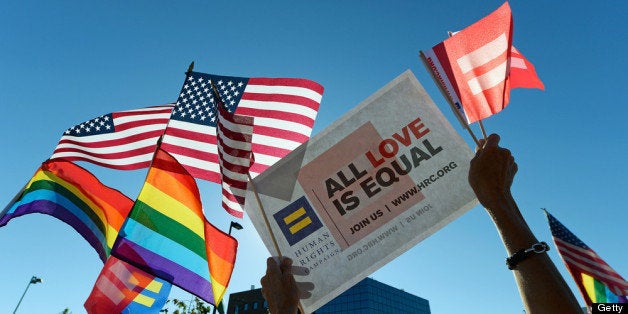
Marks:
<point>247,302</point>
<point>370,296</point>
<point>366,297</point>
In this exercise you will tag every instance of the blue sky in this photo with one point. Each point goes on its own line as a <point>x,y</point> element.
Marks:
<point>66,62</point>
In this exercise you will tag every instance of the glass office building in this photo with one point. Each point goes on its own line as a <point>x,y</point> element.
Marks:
<point>371,296</point>
<point>368,296</point>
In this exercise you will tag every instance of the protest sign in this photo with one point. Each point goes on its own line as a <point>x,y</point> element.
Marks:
<point>385,176</point>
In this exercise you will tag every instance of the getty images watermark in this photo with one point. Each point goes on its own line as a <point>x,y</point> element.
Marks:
<point>598,308</point>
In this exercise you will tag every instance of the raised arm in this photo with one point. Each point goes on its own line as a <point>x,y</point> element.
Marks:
<point>542,288</point>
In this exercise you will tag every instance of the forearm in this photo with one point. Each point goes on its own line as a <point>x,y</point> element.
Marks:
<point>542,288</point>
<point>512,227</point>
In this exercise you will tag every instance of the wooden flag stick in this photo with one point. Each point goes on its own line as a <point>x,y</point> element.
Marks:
<point>482,128</point>
<point>261,207</point>
<point>449,101</point>
<point>272,235</point>
<point>259,201</point>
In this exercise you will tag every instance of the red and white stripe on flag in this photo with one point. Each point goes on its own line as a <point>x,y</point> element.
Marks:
<point>116,287</point>
<point>475,62</point>
<point>234,149</point>
<point>586,261</point>
<point>284,110</point>
<point>123,140</point>
<point>522,72</point>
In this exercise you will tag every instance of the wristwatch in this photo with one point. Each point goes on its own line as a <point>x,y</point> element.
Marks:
<point>537,248</point>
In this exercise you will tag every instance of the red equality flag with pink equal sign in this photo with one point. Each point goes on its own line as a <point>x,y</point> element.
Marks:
<point>123,288</point>
<point>477,66</point>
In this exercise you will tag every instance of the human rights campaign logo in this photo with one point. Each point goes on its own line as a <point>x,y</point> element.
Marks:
<point>297,220</point>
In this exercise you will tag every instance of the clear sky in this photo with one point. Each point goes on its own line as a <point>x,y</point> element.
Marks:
<point>64,62</point>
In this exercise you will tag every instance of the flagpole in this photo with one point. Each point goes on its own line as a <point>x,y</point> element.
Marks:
<point>158,146</point>
<point>248,174</point>
<point>272,235</point>
<point>482,128</point>
<point>257,198</point>
<point>449,101</point>
<point>450,33</point>
<point>261,207</point>
<point>15,198</point>
<point>161,137</point>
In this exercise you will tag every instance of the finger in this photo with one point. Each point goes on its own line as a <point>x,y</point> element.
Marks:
<point>286,265</point>
<point>492,141</point>
<point>263,282</point>
<point>300,270</point>
<point>271,266</point>
<point>266,282</point>
<point>305,295</point>
<point>305,289</point>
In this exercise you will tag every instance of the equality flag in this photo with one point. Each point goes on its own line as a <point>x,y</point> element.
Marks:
<point>522,72</point>
<point>123,288</point>
<point>167,235</point>
<point>284,110</point>
<point>75,196</point>
<point>475,66</point>
<point>234,152</point>
<point>123,140</point>
<point>597,281</point>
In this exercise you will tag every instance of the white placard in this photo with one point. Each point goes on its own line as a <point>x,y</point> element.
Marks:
<point>385,176</point>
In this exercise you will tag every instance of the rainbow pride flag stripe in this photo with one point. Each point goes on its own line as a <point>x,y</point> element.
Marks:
<point>75,196</point>
<point>598,292</point>
<point>168,236</point>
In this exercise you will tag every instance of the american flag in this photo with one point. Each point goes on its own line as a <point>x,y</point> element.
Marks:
<point>581,259</point>
<point>122,140</point>
<point>234,149</point>
<point>284,110</point>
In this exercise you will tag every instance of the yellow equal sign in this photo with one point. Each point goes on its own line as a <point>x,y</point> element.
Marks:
<point>155,286</point>
<point>298,214</point>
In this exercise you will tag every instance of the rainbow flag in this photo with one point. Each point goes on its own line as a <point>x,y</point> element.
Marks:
<point>75,196</point>
<point>597,281</point>
<point>598,292</point>
<point>167,235</point>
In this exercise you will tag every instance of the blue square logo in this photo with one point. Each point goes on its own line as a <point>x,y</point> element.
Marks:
<point>297,220</point>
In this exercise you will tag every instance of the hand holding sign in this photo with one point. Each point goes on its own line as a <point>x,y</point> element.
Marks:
<point>280,289</point>
<point>385,176</point>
